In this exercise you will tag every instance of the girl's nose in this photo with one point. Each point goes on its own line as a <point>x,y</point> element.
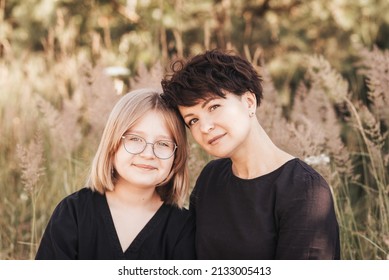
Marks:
<point>148,151</point>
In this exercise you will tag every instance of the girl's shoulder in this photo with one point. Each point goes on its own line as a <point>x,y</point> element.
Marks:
<point>177,213</point>
<point>81,196</point>
<point>79,201</point>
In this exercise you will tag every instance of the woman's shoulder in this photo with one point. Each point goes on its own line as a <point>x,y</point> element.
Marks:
<point>298,178</point>
<point>219,162</point>
<point>217,165</point>
<point>301,171</point>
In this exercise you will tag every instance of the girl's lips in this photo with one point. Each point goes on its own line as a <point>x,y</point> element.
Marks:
<point>145,166</point>
<point>214,139</point>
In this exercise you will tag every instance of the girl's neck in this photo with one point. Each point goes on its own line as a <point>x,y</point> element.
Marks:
<point>134,196</point>
<point>131,209</point>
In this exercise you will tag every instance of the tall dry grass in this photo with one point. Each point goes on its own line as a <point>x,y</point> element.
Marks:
<point>53,109</point>
<point>346,141</point>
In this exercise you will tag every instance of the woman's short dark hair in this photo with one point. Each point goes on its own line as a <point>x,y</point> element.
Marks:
<point>209,74</point>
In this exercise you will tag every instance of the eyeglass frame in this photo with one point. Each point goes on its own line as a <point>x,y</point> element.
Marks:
<point>123,138</point>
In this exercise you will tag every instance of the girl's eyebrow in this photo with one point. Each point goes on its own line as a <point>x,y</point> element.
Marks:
<point>141,134</point>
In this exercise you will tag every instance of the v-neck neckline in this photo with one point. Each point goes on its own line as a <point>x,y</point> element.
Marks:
<point>142,234</point>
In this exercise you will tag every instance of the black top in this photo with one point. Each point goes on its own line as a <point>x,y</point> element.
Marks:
<point>81,227</point>
<point>286,214</point>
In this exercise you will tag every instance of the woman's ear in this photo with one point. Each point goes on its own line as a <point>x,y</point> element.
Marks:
<point>250,100</point>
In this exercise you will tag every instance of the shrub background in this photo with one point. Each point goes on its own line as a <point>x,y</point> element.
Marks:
<point>63,65</point>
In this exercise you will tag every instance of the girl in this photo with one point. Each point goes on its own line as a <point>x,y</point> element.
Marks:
<point>132,207</point>
<point>256,201</point>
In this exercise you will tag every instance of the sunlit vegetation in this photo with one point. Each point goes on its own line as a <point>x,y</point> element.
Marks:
<point>63,65</point>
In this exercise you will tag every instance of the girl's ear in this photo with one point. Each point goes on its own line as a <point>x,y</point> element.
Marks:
<point>250,99</point>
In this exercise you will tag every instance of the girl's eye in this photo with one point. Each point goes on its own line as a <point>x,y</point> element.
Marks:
<point>192,122</point>
<point>135,139</point>
<point>163,143</point>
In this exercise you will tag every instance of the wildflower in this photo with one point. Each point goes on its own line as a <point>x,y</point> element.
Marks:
<point>317,160</point>
<point>31,160</point>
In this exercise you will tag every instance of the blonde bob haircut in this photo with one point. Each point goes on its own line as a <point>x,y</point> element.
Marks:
<point>128,110</point>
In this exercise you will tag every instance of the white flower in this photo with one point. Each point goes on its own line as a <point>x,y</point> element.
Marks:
<point>115,71</point>
<point>316,160</point>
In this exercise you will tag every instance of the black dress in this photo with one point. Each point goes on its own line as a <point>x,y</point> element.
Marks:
<point>286,214</point>
<point>81,227</point>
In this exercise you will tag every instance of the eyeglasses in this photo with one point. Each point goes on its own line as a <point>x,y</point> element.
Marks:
<point>162,149</point>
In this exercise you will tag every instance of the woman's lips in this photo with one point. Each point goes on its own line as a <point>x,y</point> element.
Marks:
<point>215,139</point>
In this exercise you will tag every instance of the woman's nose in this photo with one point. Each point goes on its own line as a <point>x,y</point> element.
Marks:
<point>206,125</point>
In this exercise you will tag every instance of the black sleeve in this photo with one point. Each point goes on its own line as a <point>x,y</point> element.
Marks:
<point>59,241</point>
<point>192,202</point>
<point>195,192</point>
<point>185,247</point>
<point>308,228</point>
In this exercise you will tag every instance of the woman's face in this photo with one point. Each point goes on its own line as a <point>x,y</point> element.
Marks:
<point>144,169</point>
<point>220,125</point>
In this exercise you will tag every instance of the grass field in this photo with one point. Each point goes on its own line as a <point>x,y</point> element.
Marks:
<point>52,112</point>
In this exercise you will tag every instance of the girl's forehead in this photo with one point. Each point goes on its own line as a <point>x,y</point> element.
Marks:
<point>153,122</point>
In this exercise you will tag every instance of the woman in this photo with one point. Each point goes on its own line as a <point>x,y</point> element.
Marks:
<point>256,201</point>
<point>132,207</point>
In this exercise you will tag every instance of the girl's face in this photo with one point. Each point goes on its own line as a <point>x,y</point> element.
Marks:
<point>220,125</point>
<point>145,169</point>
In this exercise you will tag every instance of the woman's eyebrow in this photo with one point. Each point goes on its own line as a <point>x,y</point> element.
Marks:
<point>202,106</point>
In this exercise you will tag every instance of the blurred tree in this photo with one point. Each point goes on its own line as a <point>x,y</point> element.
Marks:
<point>285,31</point>
<point>128,32</point>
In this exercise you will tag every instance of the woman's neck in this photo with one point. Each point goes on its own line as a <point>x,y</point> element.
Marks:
<point>258,156</point>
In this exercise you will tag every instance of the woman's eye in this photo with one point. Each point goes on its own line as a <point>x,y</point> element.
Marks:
<point>192,122</point>
<point>213,107</point>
